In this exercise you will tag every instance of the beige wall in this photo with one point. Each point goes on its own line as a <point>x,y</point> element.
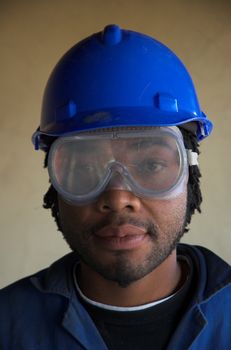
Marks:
<point>33,35</point>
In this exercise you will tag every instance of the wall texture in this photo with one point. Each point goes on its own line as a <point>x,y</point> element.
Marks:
<point>33,36</point>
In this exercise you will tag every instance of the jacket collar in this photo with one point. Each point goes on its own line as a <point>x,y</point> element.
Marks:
<point>214,273</point>
<point>58,278</point>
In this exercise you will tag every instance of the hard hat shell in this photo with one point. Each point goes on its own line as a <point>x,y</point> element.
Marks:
<point>119,78</point>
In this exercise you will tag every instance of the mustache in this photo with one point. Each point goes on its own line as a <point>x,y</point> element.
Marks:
<point>118,220</point>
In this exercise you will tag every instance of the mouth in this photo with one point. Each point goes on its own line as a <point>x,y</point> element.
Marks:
<point>124,237</point>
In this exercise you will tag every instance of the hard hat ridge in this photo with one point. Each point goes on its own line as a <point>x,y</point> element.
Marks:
<point>111,35</point>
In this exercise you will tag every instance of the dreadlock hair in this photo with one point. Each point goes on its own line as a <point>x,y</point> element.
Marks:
<point>194,199</point>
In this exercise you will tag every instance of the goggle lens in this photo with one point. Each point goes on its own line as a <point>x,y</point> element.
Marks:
<point>149,162</point>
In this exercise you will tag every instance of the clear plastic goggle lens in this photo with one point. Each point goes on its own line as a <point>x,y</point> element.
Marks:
<point>152,163</point>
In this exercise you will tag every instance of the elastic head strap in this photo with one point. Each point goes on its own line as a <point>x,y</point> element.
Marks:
<point>192,157</point>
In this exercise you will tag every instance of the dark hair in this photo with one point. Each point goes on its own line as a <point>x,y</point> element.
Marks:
<point>194,192</point>
<point>50,200</point>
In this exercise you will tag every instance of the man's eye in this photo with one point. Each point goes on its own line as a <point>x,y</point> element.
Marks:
<point>151,166</point>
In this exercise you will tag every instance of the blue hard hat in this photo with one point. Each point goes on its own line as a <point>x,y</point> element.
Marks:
<point>119,78</point>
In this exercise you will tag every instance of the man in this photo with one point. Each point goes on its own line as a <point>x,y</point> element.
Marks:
<point>120,127</point>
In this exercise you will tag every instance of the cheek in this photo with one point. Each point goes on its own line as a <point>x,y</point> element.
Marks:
<point>176,212</point>
<point>72,217</point>
<point>177,205</point>
<point>169,213</point>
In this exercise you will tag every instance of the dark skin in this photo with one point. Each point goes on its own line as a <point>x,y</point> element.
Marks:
<point>127,246</point>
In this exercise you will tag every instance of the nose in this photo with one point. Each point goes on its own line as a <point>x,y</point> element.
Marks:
<point>114,200</point>
<point>118,182</point>
<point>118,197</point>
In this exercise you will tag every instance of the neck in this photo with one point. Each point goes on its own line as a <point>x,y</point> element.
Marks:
<point>160,283</point>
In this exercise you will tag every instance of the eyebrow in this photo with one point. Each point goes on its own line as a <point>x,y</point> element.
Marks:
<point>144,144</point>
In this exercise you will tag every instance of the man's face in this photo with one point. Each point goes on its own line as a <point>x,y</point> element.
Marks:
<point>123,237</point>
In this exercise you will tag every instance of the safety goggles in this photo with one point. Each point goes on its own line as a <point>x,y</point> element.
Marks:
<point>152,163</point>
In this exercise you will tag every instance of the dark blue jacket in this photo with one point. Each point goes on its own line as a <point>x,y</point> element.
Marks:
<point>43,312</point>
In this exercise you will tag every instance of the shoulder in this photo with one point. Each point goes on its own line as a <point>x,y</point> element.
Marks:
<point>53,279</point>
<point>36,303</point>
<point>212,274</point>
<point>211,301</point>
<point>46,290</point>
<point>19,290</point>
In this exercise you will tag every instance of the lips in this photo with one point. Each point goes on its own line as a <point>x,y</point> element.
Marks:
<point>122,237</point>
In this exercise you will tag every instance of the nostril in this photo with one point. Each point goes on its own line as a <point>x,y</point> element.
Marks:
<point>107,207</point>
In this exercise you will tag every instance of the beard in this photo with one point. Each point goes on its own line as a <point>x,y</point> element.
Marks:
<point>124,268</point>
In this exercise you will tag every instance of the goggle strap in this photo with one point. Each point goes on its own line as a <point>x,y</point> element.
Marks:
<point>192,157</point>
